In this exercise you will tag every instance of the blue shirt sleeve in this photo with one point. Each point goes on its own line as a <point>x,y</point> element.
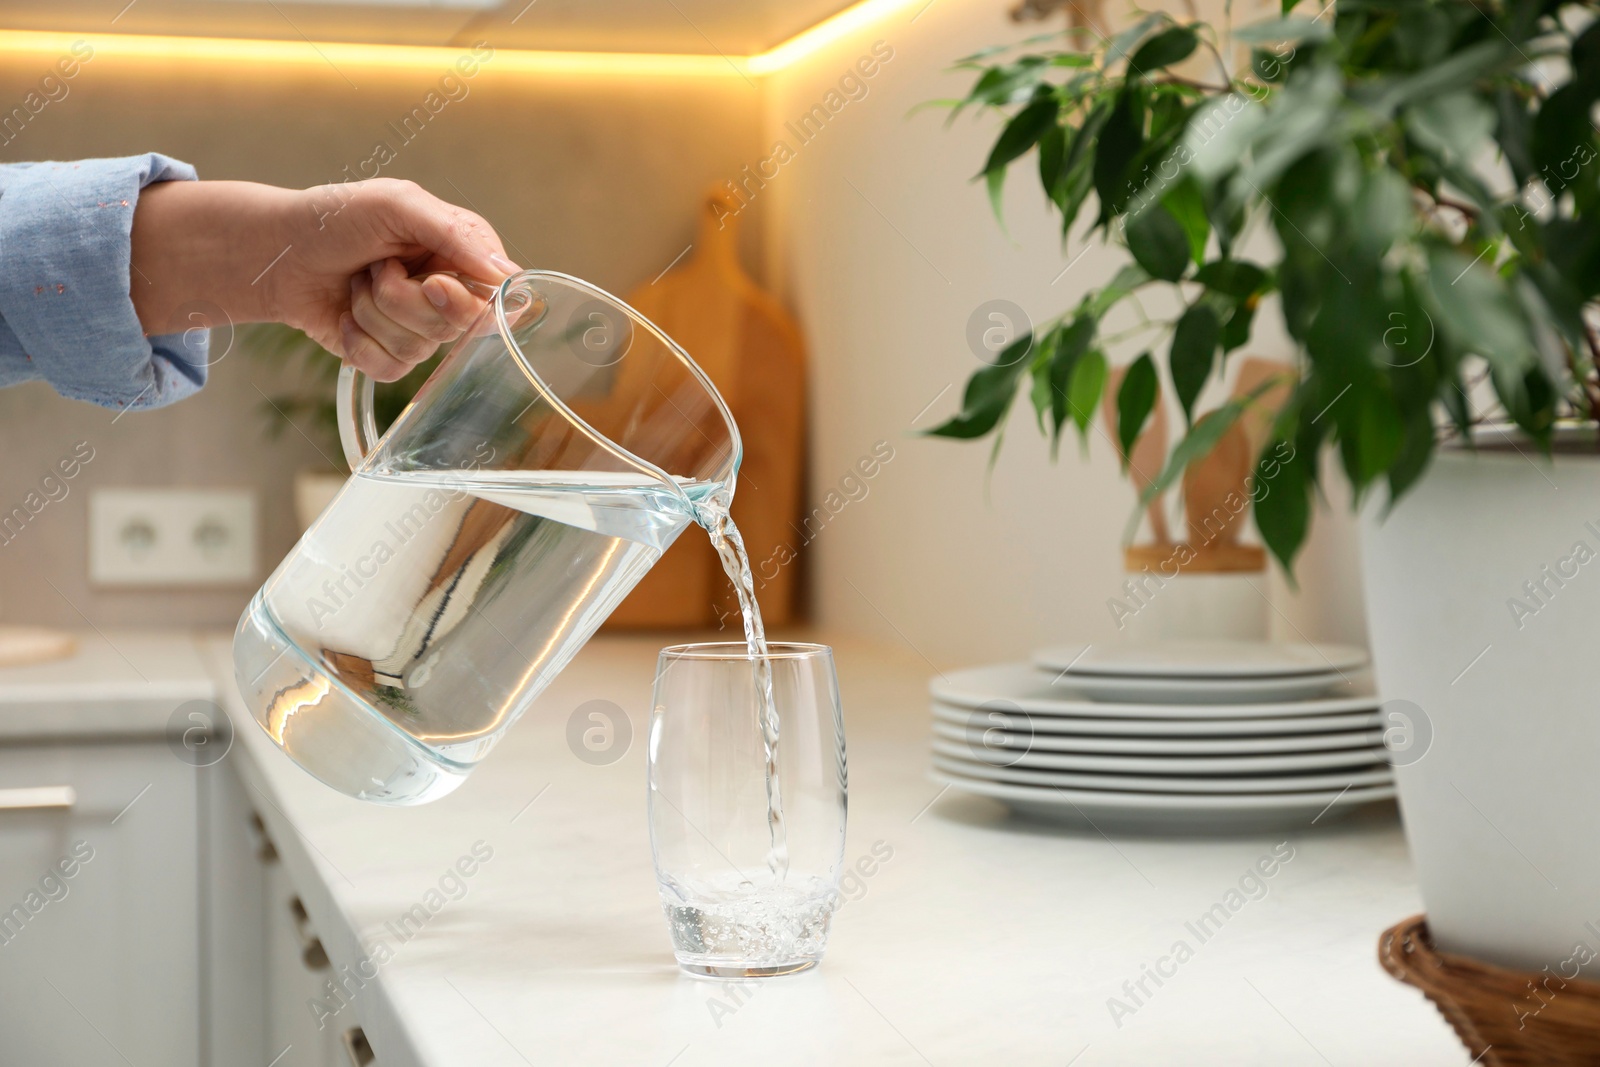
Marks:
<point>65,312</point>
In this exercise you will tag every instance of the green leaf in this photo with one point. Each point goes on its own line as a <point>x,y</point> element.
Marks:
<point>981,54</point>
<point>1039,393</point>
<point>1120,141</point>
<point>1454,125</point>
<point>1078,168</point>
<point>1283,31</point>
<point>1304,117</point>
<point>988,394</point>
<point>1421,35</point>
<point>1194,346</point>
<point>994,50</point>
<point>1460,71</point>
<point>1529,399</point>
<point>1124,41</point>
<point>1416,451</point>
<point>1199,441</point>
<point>1020,134</point>
<point>1269,66</point>
<point>1236,331</point>
<point>1514,132</point>
<point>1561,129</point>
<point>1007,84</point>
<point>1219,134</point>
<point>1283,506</point>
<point>995,181</point>
<point>1237,278</point>
<point>1188,206</point>
<point>1088,382</point>
<point>1158,242</point>
<point>1039,368</point>
<point>1170,46</point>
<point>1573,248</point>
<point>1123,284</point>
<point>1052,156</point>
<point>1170,106</point>
<point>1135,400</point>
<point>1479,311</point>
<point>1379,435</point>
<point>1024,130</point>
<point>1074,342</point>
<point>1383,211</point>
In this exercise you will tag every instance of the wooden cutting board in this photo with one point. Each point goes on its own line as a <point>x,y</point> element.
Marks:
<point>750,347</point>
<point>22,645</point>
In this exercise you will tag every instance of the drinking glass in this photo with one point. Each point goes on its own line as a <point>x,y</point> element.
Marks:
<point>747,896</point>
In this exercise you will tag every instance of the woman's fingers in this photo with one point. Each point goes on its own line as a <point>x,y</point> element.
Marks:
<point>458,305</point>
<point>396,321</point>
<point>437,307</point>
<point>400,340</point>
<point>366,354</point>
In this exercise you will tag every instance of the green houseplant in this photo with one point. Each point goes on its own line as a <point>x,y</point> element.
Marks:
<point>313,370</point>
<point>307,406</point>
<point>1415,194</point>
<point>1413,188</point>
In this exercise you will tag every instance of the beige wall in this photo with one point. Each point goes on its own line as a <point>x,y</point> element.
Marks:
<point>596,176</point>
<point>885,247</point>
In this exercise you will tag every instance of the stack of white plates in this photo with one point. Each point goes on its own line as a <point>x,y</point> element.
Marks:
<point>1196,736</point>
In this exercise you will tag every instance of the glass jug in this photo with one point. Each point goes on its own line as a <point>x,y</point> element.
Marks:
<point>557,450</point>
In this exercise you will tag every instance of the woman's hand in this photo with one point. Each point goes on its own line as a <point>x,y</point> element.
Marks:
<point>337,261</point>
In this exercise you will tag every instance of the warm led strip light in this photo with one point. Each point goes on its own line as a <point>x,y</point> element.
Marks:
<point>343,54</point>
<point>237,49</point>
<point>829,30</point>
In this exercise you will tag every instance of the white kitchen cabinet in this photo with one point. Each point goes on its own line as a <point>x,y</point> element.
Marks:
<point>173,941</point>
<point>296,969</point>
<point>144,918</point>
<point>99,906</point>
<point>234,857</point>
<point>263,965</point>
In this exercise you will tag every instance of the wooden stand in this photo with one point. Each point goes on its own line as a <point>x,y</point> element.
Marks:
<point>1173,559</point>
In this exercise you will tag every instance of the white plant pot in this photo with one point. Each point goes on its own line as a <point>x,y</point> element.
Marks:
<point>1195,607</point>
<point>314,490</point>
<point>1502,805</point>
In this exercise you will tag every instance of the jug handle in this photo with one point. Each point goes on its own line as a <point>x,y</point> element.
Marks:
<point>358,426</point>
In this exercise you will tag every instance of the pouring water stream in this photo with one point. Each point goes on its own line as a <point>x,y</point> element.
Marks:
<point>712,514</point>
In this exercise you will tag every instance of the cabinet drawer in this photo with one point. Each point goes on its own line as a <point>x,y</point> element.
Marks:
<point>99,939</point>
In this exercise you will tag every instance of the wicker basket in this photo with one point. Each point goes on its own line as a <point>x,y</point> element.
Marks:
<point>1505,1018</point>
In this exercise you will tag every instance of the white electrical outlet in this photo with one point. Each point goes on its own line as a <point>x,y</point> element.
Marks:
<point>172,536</point>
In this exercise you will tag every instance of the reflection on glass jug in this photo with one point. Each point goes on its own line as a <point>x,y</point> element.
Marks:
<point>557,450</point>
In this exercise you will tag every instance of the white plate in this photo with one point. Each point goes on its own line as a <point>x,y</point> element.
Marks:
<point>1006,715</point>
<point>965,725</point>
<point>1021,687</point>
<point>994,752</point>
<point>1202,659</point>
<point>1168,783</point>
<point>1173,812</point>
<point>1197,691</point>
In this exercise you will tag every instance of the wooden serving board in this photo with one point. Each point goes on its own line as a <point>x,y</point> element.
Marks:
<point>22,645</point>
<point>750,347</point>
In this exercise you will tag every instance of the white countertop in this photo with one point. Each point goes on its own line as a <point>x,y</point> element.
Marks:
<point>981,940</point>
<point>119,683</point>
